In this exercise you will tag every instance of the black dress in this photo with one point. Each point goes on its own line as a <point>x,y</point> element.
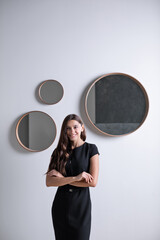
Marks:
<point>71,209</point>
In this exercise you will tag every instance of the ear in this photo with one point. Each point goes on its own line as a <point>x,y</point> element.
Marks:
<point>82,128</point>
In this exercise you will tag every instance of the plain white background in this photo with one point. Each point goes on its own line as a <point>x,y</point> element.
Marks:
<point>76,42</point>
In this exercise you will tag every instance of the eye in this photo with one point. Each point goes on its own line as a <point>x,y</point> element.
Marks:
<point>76,126</point>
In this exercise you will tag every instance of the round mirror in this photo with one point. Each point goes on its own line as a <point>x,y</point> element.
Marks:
<point>116,104</point>
<point>36,131</point>
<point>50,92</point>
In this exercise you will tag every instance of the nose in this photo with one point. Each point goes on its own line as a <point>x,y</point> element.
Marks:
<point>72,130</point>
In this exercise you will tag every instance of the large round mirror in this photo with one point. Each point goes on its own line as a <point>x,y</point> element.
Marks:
<point>50,91</point>
<point>116,104</point>
<point>36,131</point>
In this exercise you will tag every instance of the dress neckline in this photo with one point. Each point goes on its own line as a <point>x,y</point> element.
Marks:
<point>79,146</point>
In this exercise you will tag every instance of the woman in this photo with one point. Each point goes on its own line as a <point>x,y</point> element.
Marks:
<point>73,168</point>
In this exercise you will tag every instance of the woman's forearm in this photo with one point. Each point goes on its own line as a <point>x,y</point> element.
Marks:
<point>83,183</point>
<point>55,178</point>
<point>59,181</point>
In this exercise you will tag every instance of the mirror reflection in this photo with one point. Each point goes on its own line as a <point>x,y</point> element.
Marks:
<point>36,131</point>
<point>50,92</point>
<point>116,104</point>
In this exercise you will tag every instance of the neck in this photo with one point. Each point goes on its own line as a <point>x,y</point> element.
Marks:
<point>77,143</point>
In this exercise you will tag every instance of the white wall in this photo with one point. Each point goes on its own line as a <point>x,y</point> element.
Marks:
<point>76,42</point>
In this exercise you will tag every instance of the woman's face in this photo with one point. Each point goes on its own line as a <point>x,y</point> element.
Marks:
<point>74,130</point>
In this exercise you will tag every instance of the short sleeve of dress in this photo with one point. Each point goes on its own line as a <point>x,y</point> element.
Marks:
<point>93,150</point>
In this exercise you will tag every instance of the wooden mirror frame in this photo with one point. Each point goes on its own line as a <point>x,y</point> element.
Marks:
<point>17,135</point>
<point>41,85</point>
<point>138,83</point>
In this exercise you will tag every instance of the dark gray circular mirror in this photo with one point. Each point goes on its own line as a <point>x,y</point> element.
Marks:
<point>51,92</point>
<point>116,104</point>
<point>36,131</point>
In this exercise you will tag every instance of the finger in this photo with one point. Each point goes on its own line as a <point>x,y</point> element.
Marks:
<point>90,179</point>
<point>49,174</point>
<point>86,179</point>
<point>89,175</point>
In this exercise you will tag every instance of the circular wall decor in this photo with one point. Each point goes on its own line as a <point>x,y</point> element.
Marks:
<point>50,92</point>
<point>116,104</point>
<point>36,131</point>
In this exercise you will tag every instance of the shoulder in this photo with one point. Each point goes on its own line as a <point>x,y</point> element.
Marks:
<point>91,145</point>
<point>92,148</point>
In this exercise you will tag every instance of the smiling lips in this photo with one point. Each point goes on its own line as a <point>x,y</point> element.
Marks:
<point>73,135</point>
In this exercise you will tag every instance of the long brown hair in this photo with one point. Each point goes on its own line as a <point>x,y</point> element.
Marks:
<point>61,153</point>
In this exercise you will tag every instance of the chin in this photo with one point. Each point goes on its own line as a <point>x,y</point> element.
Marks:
<point>73,138</point>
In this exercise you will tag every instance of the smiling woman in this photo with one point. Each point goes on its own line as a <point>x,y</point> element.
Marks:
<point>74,130</point>
<point>74,167</point>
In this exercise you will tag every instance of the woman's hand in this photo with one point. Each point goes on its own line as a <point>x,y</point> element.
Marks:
<point>54,173</point>
<point>84,176</point>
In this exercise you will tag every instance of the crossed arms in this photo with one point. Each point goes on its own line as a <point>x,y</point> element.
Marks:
<point>84,179</point>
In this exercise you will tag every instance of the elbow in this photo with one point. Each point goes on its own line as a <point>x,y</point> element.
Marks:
<point>94,184</point>
<point>48,184</point>
<point>48,181</point>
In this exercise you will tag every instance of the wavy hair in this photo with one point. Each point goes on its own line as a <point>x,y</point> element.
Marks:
<point>63,150</point>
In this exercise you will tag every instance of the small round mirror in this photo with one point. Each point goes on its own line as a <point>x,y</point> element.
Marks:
<point>36,131</point>
<point>116,104</point>
<point>51,92</point>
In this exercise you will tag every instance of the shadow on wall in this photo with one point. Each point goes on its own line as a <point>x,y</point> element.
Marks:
<point>13,140</point>
<point>86,121</point>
